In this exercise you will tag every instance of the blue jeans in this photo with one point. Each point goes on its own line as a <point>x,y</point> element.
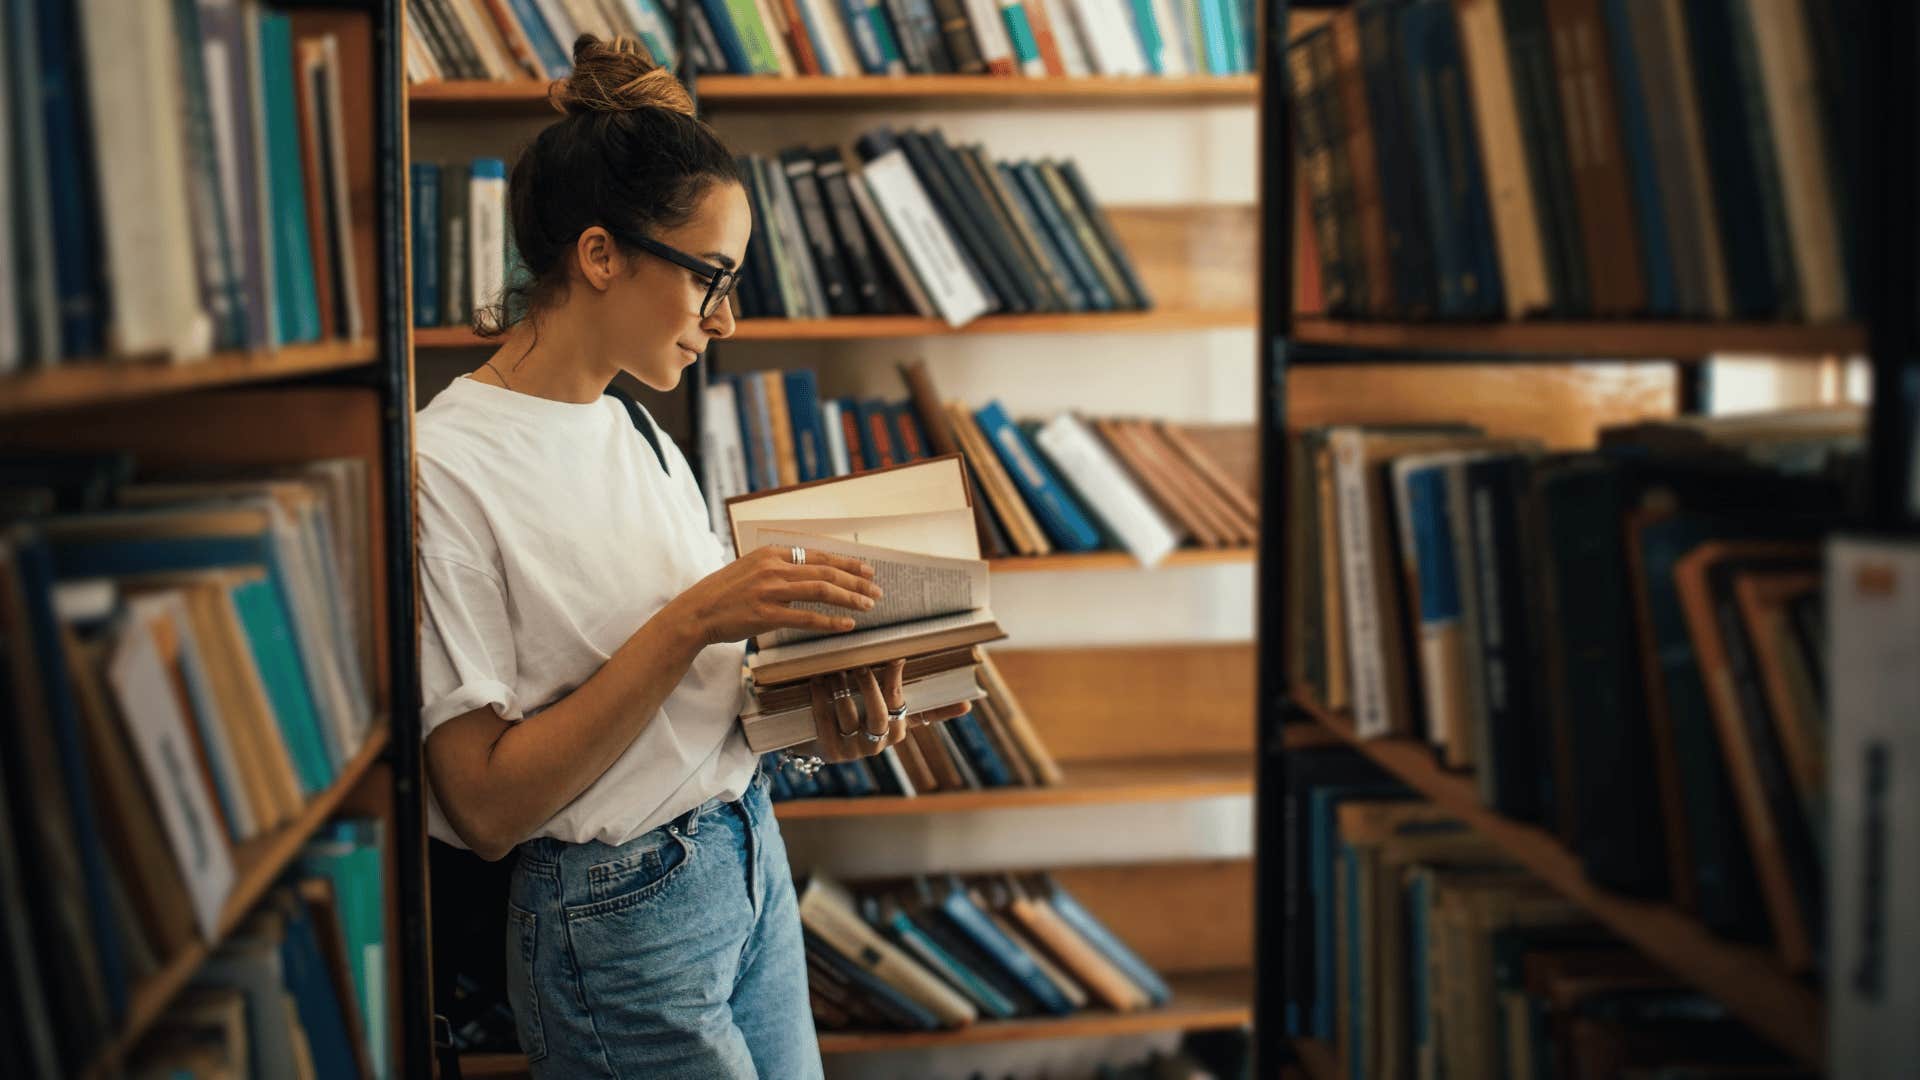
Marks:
<point>676,954</point>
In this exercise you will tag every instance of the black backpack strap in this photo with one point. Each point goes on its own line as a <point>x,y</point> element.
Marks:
<point>642,422</point>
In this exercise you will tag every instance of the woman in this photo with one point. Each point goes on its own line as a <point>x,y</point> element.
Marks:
<point>581,633</point>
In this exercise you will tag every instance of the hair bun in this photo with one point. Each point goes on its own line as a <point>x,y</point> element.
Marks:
<point>617,76</point>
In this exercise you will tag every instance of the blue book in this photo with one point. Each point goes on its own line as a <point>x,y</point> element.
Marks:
<point>70,165</point>
<point>1408,240</point>
<point>897,924</point>
<point>732,49</point>
<point>1078,265</point>
<point>1076,295</point>
<point>1448,158</point>
<point>1102,939</point>
<point>853,779</point>
<point>892,58</point>
<point>741,407</point>
<point>1011,956</point>
<point>1066,523</point>
<point>1026,50</point>
<point>1323,854</point>
<point>1237,34</point>
<point>34,564</point>
<point>876,436</point>
<point>297,303</point>
<point>351,854</point>
<point>757,416</point>
<point>809,433</point>
<point>908,438</point>
<point>879,993</point>
<point>866,44</point>
<point>1636,135</point>
<point>553,55</point>
<point>1213,34</point>
<point>310,983</point>
<point>986,761</point>
<point>425,177</point>
<point>1147,32</point>
<point>1442,643</point>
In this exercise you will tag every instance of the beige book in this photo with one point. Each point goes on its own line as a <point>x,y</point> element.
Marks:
<point>1101,977</point>
<point>1018,724</point>
<point>1517,230</point>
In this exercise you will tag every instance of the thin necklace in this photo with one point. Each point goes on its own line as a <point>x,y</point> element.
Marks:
<point>496,374</point>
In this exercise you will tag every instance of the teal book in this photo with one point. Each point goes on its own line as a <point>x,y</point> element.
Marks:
<point>270,637</point>
<point>297,307</point>
<point>1148,32</point>
<point>322,1014</point>
<point>901,926</point>
<point>349,854</point>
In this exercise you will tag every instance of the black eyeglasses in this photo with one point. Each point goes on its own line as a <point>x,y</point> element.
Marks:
<point>720,281</point>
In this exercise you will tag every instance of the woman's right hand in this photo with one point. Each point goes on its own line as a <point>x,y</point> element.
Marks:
<point>755,592</point>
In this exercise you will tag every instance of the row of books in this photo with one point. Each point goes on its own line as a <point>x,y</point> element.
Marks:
<point>944,952</point>
<point>910,223</point>
<point>1672,158</point>
<point>1419,951</point>
<point>1626,645</point>
<point>1068,484</point>
<point>174,179</point>
<point>519,39</point>
<point>462,249</point>
<point>994,746</point>
<point>296,989</point>
<point>189,663</point>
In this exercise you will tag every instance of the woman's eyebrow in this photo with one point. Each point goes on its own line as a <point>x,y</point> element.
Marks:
<point>724,260</point>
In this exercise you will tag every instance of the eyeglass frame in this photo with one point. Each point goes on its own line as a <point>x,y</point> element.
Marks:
<point>718,276</point>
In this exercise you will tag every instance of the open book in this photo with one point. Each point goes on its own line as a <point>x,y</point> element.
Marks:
<point>913,524</point>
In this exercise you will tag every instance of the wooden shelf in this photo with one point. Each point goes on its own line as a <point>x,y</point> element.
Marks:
<point>973,91</point>
<point>258,863</point>
<point>1320,1060</point>
<point>1598,339</point>
<point>1748,979</point>
<point>869,327</point>
<point>1210,1000</point>
<point>93,382</point>
<point>1120,560</point>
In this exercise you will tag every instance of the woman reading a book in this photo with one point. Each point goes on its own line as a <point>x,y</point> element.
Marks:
<point>581,639</point>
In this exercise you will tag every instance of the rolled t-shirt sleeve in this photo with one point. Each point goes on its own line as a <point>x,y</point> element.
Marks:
<point>466,643</point>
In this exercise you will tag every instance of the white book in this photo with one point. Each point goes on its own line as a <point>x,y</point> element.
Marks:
<point>834,44</point>
<point>1110,39</point>
<point>1873,924</point>
<point>420,64</point>
<point>1358,579</point>
<point>560,22</point>
<point>1069,36</point>
<point>923,237</point>
<point>889,244</point>
<point>837,456</point>
<point>654,26</point>
<point>486,44</point>
<point>158,731</point>
<point>1793,102</point>
<point>10,344</point>
<point>335,138</point>
<point>1107,488</point>
<point>222,755</point>
<point>134,97</point>
<point>1174,46</point>
<point>487,231</point>
<point>721,453</point>
<point>990,31</point>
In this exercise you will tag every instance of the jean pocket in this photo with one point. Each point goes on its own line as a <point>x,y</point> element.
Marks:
<point>523,988</point>
<point>640,873</point>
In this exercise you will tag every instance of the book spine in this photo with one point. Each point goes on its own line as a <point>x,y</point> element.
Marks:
<point>426,243</point>
<point>733,50</point>
<point>1369,214</point>
<point>1734,175</point>
<point>1066,525</point>
<point>922,236</point>
<point>1032,232</point>
<point>221,292</point>
<point>975,249</point>
<point>1313,149</point>
<point>1648,208</point>
<point>1103,229</point>
<point>911,46</point>
<point>1100,937</point>
<point>1046,38</point>
<point>956,30</point>
<point>456,195</point>
<point>852,237</point>
<point>1020,38</point>
<point>866,42</point>
<point>832,272</point>
<point>1602,201</point>
<point>980,753</point>
<point>1026,176</point>
<point>486,240</point>
<point>1537,97</point>
<point>1011,957</point>
<point>1359,579</point>
<point>1517,224</point>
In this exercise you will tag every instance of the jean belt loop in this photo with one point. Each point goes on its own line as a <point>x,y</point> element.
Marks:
<point>690,821</point>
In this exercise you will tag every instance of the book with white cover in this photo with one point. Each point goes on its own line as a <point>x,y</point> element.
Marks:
<point>134,99</point>
<point>1873,929</point>
<point>1089,466</point>
<point>722,456</point>
<point>165,749</point>
<point>923,236</point>
<point>1112,46</point>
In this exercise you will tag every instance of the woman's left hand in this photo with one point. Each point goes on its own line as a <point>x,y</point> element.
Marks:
<point>844,732</point>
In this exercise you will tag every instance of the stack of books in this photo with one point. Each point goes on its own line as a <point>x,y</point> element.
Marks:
<point>178,179</point>
<point>520,39</point>
<point>296,989</point>
<point>1626,646</point>
<point>1418,951</point>
<point>994,746</point>
<point>913,224</point>
<point>1069,484</point>
<point>945,952</point>
<point>1570,158</point>
<point>189,663</point>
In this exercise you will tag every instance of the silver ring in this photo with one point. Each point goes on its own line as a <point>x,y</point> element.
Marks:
<point>842,694</point>
<point>897,715</point>
<point>799,555</point>
<point>872,738</point>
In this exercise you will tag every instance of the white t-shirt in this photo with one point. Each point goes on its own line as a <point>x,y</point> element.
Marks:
<point>548,535</point>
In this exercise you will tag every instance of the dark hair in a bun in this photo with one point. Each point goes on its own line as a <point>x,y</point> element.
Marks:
<point>629,155</point>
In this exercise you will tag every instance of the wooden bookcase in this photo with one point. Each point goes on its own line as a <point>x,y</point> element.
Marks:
<point>1130,725</point>
<point>333,399</point>
<point>1557,381</point>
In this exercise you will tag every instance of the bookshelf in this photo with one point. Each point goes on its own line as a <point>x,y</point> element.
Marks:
<point>871,92</point>
<point>1302,351</point>
<point>338,397</point>
<point>874,327</point>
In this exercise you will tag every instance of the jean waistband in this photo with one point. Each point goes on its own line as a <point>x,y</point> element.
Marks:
<point>547,849</point>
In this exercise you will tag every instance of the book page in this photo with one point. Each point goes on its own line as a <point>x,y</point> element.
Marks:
<point>915,586</point>
<point>922,487</point>
<point>949,534</point>
<point>853,639</point>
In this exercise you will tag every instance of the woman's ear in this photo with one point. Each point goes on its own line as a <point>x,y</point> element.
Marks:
<point>596,257</point>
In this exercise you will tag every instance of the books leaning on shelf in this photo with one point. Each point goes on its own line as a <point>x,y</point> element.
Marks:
<point>1655,601</point>
<point>1069,484</point>
<point>462,254</point>
<point>1420,951</point>
<point>945,952</point>
<point>188,664</point>
<point>1685,159</point>
<point>912,524</point>
<point>181,175</point>
<point>518,39</point>
<point>994,746</point>
<point>912,224</point>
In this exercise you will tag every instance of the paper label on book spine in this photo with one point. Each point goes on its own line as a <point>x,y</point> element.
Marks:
<point>1357,577</point>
